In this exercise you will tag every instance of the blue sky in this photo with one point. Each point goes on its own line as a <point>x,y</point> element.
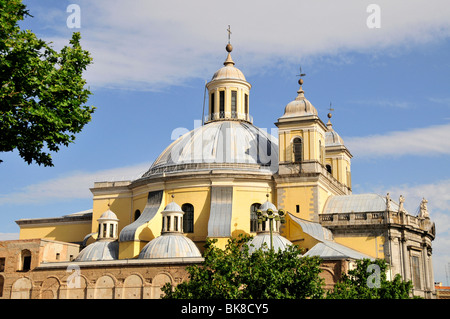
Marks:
<point>389,87</point>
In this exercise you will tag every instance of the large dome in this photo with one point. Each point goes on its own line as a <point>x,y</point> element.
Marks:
<point>222,144</point>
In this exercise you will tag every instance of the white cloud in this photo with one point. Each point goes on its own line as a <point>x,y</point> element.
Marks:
<point>151,44</point>
<point>74,185</point>
<point>426,141</point>
<point>438,196</point>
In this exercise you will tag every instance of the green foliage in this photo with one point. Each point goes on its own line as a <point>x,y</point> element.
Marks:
<point>42,91</point>
<point>361,283</point>
<point>233,273</point>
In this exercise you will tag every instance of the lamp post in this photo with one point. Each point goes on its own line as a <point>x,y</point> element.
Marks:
<point>271,215</point>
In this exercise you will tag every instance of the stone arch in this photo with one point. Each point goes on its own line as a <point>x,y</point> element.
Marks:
<point>78,289</point>
<point>329,277</point>
<point>158,282</point>
<point>21,288</point>
<point>133,287</point>
<point>50,288</point>
<point>105,287</point>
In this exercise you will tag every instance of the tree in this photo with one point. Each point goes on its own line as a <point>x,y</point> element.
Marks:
<point>369,281</point>
<point>233,273</point>
<point>42,92</point>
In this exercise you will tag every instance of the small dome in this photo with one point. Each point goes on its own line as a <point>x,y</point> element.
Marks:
<point>299,107</point>
<point>99,250</point>
<point>173,208</point>
<point>228,72</point>
<point>279,242</point>
<point>108,215</point>
<point>332,138</point>
<point>171,245</point>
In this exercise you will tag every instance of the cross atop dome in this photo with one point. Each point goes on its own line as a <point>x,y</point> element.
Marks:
<point>229,48</point>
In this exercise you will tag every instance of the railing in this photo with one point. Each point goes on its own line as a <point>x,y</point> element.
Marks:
<point>344,217</point>
<point>228,116</point>
<point>204,166</point>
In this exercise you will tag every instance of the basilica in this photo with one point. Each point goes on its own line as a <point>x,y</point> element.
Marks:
<point>214,182</point>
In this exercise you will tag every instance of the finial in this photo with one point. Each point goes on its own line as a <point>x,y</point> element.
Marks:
<point>229,48</point>
<point>329,125</point>
<point>300,81</point>
<point>331,110</point>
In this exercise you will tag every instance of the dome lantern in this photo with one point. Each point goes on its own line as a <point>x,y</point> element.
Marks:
<point>228,92</point>
<point>172,219</point>
<point>172,243</point>
<point>107,226</point>
<point>106,247</point>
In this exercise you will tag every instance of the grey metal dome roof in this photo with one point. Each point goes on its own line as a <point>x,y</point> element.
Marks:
<point>173,245</point>
<point>356,203</point>
<point>279,242</point>
<point>221,144</point>
<point>99,250</point>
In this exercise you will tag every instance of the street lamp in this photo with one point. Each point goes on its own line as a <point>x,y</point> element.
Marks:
<point>271,216</point>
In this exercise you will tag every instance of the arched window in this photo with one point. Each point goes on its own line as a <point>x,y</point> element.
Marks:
<point>137,213</point>
<point>329,170</point>
<point>188,218</point>
<point>25,259</point>
<point>212,108</point>
<point>105,229</point>
<point>222,104</point>
<point>253,217</point>
<point>234,104</point>
<point>246,105</point>
<point>297,149</point>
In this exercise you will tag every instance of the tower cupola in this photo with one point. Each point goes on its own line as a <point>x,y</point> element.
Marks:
<point>228,93</point>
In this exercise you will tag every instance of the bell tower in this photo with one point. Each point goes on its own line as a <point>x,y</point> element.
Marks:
<point>301,137</point>
<point>303,181</point>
